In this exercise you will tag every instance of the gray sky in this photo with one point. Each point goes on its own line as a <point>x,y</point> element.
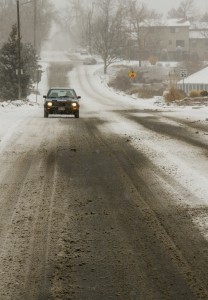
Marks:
<point>162,6</point>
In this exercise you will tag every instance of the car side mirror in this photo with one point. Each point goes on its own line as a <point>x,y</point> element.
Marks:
<point>44,96</point>
<point>78,97</point>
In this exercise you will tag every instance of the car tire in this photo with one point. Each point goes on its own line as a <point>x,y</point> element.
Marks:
<point>76,114</point>
<point>45,114</point>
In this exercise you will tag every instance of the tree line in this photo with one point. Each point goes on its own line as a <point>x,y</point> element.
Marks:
<point>114,28</point>
<point>35,22</point>
<point>109,28</point>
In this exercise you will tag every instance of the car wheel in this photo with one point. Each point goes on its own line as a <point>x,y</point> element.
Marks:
<point>45,114</point>
<point>76,114</point>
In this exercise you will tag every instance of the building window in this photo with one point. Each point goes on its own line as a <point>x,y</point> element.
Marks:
<point>180,43</point>
<point>174,29</point>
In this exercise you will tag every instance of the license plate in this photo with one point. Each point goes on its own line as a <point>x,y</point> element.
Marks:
<point>61,108</point>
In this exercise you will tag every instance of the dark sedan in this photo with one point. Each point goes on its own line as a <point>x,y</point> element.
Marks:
<point>59,101</point>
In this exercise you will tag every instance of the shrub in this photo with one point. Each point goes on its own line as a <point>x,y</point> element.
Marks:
<point>194,94</point>
<point>121,82</point>
<point>174,94</point>
<point>204,93</point>
<point>9,84</point>
<point>153,59</point>
<point>149,93</point>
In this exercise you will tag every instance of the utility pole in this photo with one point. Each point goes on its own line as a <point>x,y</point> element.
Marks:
<point>35,25</point>
<point>19,70</point>
<point>19,52</point>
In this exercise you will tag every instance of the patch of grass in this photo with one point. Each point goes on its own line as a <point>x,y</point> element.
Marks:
<point>120,82</point>
<point>123,83</point>
<point>174,94</point>
<point>149,93</point>
<point>204,93</point>
<point>194,94</point>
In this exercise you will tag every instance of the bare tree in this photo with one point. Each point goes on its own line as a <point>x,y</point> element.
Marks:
<point>185,11</point>
<point>204,17</point>
<point>35,19</point>
<point>108,31</point>
<point>74,21</point>
<point>7,13</point>
<point>36,28</point>
<point>89,27</point>
<point>140,19</point>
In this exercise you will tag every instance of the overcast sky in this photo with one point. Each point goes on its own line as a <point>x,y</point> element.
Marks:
<point>165,5</point>
<point>162,6</point>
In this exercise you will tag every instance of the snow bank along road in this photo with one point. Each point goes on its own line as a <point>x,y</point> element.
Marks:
<point>109,206</point>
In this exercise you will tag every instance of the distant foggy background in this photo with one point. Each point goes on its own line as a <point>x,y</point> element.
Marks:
<point>162,6</point>
<point>165,5</point>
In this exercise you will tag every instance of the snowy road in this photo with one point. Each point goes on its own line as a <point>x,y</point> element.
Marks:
<point>113,205</point>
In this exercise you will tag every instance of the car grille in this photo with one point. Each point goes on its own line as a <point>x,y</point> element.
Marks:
<point>60,103</point>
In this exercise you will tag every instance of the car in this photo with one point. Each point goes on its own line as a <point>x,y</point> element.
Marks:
<point>61,101</point>
<point>89,61</point>
<point>83,52</point>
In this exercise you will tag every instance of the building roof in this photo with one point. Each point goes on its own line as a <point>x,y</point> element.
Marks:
<point>165,23</point>
<point>177,23</point>
<point>200,77</point>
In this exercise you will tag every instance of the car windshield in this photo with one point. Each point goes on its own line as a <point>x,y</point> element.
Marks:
<point>62,93</point>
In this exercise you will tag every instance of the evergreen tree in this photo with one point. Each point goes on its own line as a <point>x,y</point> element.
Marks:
<point>9,66</point>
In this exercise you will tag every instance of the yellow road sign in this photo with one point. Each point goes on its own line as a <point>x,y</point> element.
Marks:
<point>132,74</point>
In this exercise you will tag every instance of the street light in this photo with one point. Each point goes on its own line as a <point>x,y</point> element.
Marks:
<point>19,71</point>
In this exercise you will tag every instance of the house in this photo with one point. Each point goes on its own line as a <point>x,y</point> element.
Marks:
<point>171,40</point>
<point>166,39</point>
<point>197,81</point>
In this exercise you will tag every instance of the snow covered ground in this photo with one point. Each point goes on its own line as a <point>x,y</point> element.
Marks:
<point>183,161</point>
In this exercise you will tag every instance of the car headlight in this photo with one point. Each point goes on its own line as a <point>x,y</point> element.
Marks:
<point>49,104</point>
<point>74,104</point>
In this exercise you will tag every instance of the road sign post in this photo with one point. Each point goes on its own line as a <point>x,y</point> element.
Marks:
<point>38,79</point>
<point>183,75</point>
